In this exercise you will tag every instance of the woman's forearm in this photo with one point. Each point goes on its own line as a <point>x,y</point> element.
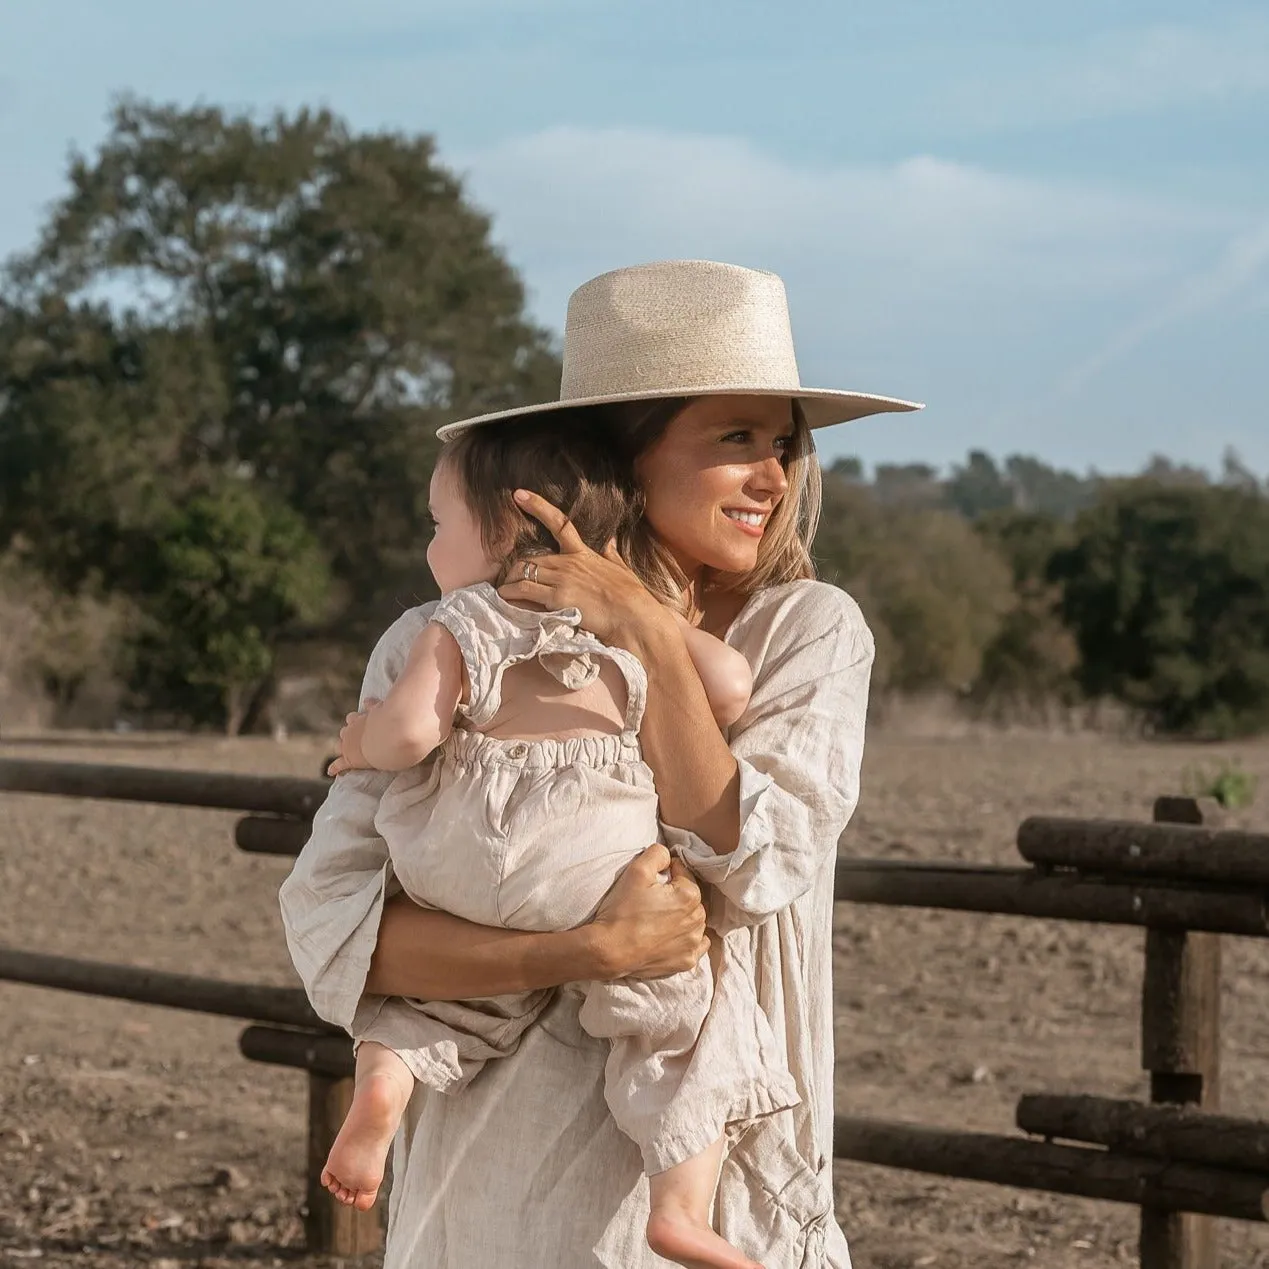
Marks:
<point>698,782</point>
<point>432,955</point>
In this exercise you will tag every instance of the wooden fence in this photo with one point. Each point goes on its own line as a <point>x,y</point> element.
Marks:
<point>1185,881</point>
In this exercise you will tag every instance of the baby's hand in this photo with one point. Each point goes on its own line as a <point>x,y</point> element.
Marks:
<point>351,757</point>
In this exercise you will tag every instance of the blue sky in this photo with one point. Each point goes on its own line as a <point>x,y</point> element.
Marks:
<point>1049,222</point>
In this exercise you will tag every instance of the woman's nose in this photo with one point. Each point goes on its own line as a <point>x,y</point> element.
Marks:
<point>768,477</point>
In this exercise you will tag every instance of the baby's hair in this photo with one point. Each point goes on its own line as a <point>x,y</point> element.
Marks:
<point>573,466</point>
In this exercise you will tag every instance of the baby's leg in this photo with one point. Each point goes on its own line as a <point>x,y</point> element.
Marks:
<point>354,1170</point>
<point>679,1227</point>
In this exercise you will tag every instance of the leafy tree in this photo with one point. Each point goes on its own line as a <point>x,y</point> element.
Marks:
<point>1167,590</point>
<point>228,572</point>
<point>1031,660</point>
<point>907,484</point>
<point>932,590</point>
<point>292,306</point>
<point>978,486</point>
<point>1046,490</point>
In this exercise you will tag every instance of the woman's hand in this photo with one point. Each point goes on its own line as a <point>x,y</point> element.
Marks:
<point>351,757</point>
<point>610,597</point>
<point>648,927</point>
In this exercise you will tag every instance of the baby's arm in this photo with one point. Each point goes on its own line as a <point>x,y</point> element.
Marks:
<point>724,672</point>
<point>415,716</point>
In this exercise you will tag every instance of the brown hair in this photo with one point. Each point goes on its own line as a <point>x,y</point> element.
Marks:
<point>575,468</point>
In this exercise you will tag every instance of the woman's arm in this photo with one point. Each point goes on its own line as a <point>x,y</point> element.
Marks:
<point>698,782</point>
<point>798,751</point>
<point>645,928</point>
<point>757,815</point>
<point>335,899</point>
<point>724,672</point>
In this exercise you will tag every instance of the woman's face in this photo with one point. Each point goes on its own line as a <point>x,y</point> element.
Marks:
<point>456,554</point>
<point>713,479</point>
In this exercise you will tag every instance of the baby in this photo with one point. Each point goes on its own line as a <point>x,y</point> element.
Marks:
<point>535,802</point>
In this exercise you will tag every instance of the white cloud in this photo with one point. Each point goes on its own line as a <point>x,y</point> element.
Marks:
<point>569,202</point>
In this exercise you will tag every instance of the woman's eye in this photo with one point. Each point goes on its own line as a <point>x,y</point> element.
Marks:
<point>741,437</point>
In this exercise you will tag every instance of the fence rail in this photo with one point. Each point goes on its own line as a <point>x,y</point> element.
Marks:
<point>223,790</point>
<point>1182,880</point>
<point>286,1006</point>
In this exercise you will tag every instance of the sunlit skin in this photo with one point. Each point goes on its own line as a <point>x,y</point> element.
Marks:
<point>720,454</point>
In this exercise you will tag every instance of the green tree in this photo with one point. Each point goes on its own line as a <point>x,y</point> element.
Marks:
<point>228,573</point>
<point>978,486</point>
<point>933,591</point>
<point>1166,588</point>
<point>294,306</point>
<point>1030,662</point>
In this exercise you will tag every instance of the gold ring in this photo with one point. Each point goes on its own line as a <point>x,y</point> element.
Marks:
<point>524,571</point>
<point>534,567</point>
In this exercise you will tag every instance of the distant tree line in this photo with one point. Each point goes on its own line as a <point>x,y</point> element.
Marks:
<point>1019,584</point>
<point>222,366</point>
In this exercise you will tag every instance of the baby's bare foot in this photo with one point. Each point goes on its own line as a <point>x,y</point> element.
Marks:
<point>354,1170</point>
<point>689,1242</point>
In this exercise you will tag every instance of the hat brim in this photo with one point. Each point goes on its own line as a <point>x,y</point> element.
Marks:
<point>822,407</point>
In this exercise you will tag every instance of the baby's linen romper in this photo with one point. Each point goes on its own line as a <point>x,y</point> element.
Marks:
<point>530,835</point>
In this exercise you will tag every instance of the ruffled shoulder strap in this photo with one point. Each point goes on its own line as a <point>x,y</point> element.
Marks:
<point>493,635</point>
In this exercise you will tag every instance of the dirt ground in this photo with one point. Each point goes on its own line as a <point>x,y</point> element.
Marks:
<point>137,1136</point>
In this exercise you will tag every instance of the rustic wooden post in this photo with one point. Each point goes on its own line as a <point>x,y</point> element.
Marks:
<point>329,1226</point>
<point>1180,1047</point>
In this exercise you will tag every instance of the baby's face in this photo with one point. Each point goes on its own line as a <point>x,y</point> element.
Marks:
<point>456,554</point>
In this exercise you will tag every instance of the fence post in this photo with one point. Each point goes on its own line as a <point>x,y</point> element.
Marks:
<point>329,1226</point>
<point>1180,1047</point>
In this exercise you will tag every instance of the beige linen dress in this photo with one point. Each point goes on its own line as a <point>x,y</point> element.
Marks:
<point>527,1169</point>
<point>531,834</point>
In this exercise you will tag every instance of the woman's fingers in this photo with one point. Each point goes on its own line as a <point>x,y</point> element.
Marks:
<point>681,876</point>
<point>338,767</point>
<point>654,861</point>
<point>562,528</point>
<point>530,592</point>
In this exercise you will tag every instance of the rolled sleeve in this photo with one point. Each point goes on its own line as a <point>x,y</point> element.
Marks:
<point>798,749</point>
<point>333,899</point>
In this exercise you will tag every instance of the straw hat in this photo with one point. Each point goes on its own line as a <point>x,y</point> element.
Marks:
<point>684,328</point>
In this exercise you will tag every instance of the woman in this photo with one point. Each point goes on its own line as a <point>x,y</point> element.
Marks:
<point>691,366</point>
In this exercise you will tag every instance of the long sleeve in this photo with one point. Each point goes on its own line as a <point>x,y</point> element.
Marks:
<point>333,899</point>
<point>798,746</point>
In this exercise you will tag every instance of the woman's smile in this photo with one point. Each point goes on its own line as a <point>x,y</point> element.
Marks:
<point>750,523</point>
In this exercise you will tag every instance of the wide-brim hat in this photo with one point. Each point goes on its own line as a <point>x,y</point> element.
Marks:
<point>684,328</point>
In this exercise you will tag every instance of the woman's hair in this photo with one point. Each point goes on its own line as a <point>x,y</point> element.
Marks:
<point>577,469</point>
<point>784,553</point>
<point>584,460</point>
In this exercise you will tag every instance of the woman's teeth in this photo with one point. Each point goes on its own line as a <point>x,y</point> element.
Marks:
<point>745,517</point>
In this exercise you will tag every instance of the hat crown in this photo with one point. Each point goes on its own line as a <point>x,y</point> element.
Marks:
<point>690,324</point>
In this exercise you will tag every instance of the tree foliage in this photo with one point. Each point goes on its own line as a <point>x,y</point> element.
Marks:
<point>226,571</point>
<point>284,304</point>
<point>932,590</point>
<point>1167,591</point>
